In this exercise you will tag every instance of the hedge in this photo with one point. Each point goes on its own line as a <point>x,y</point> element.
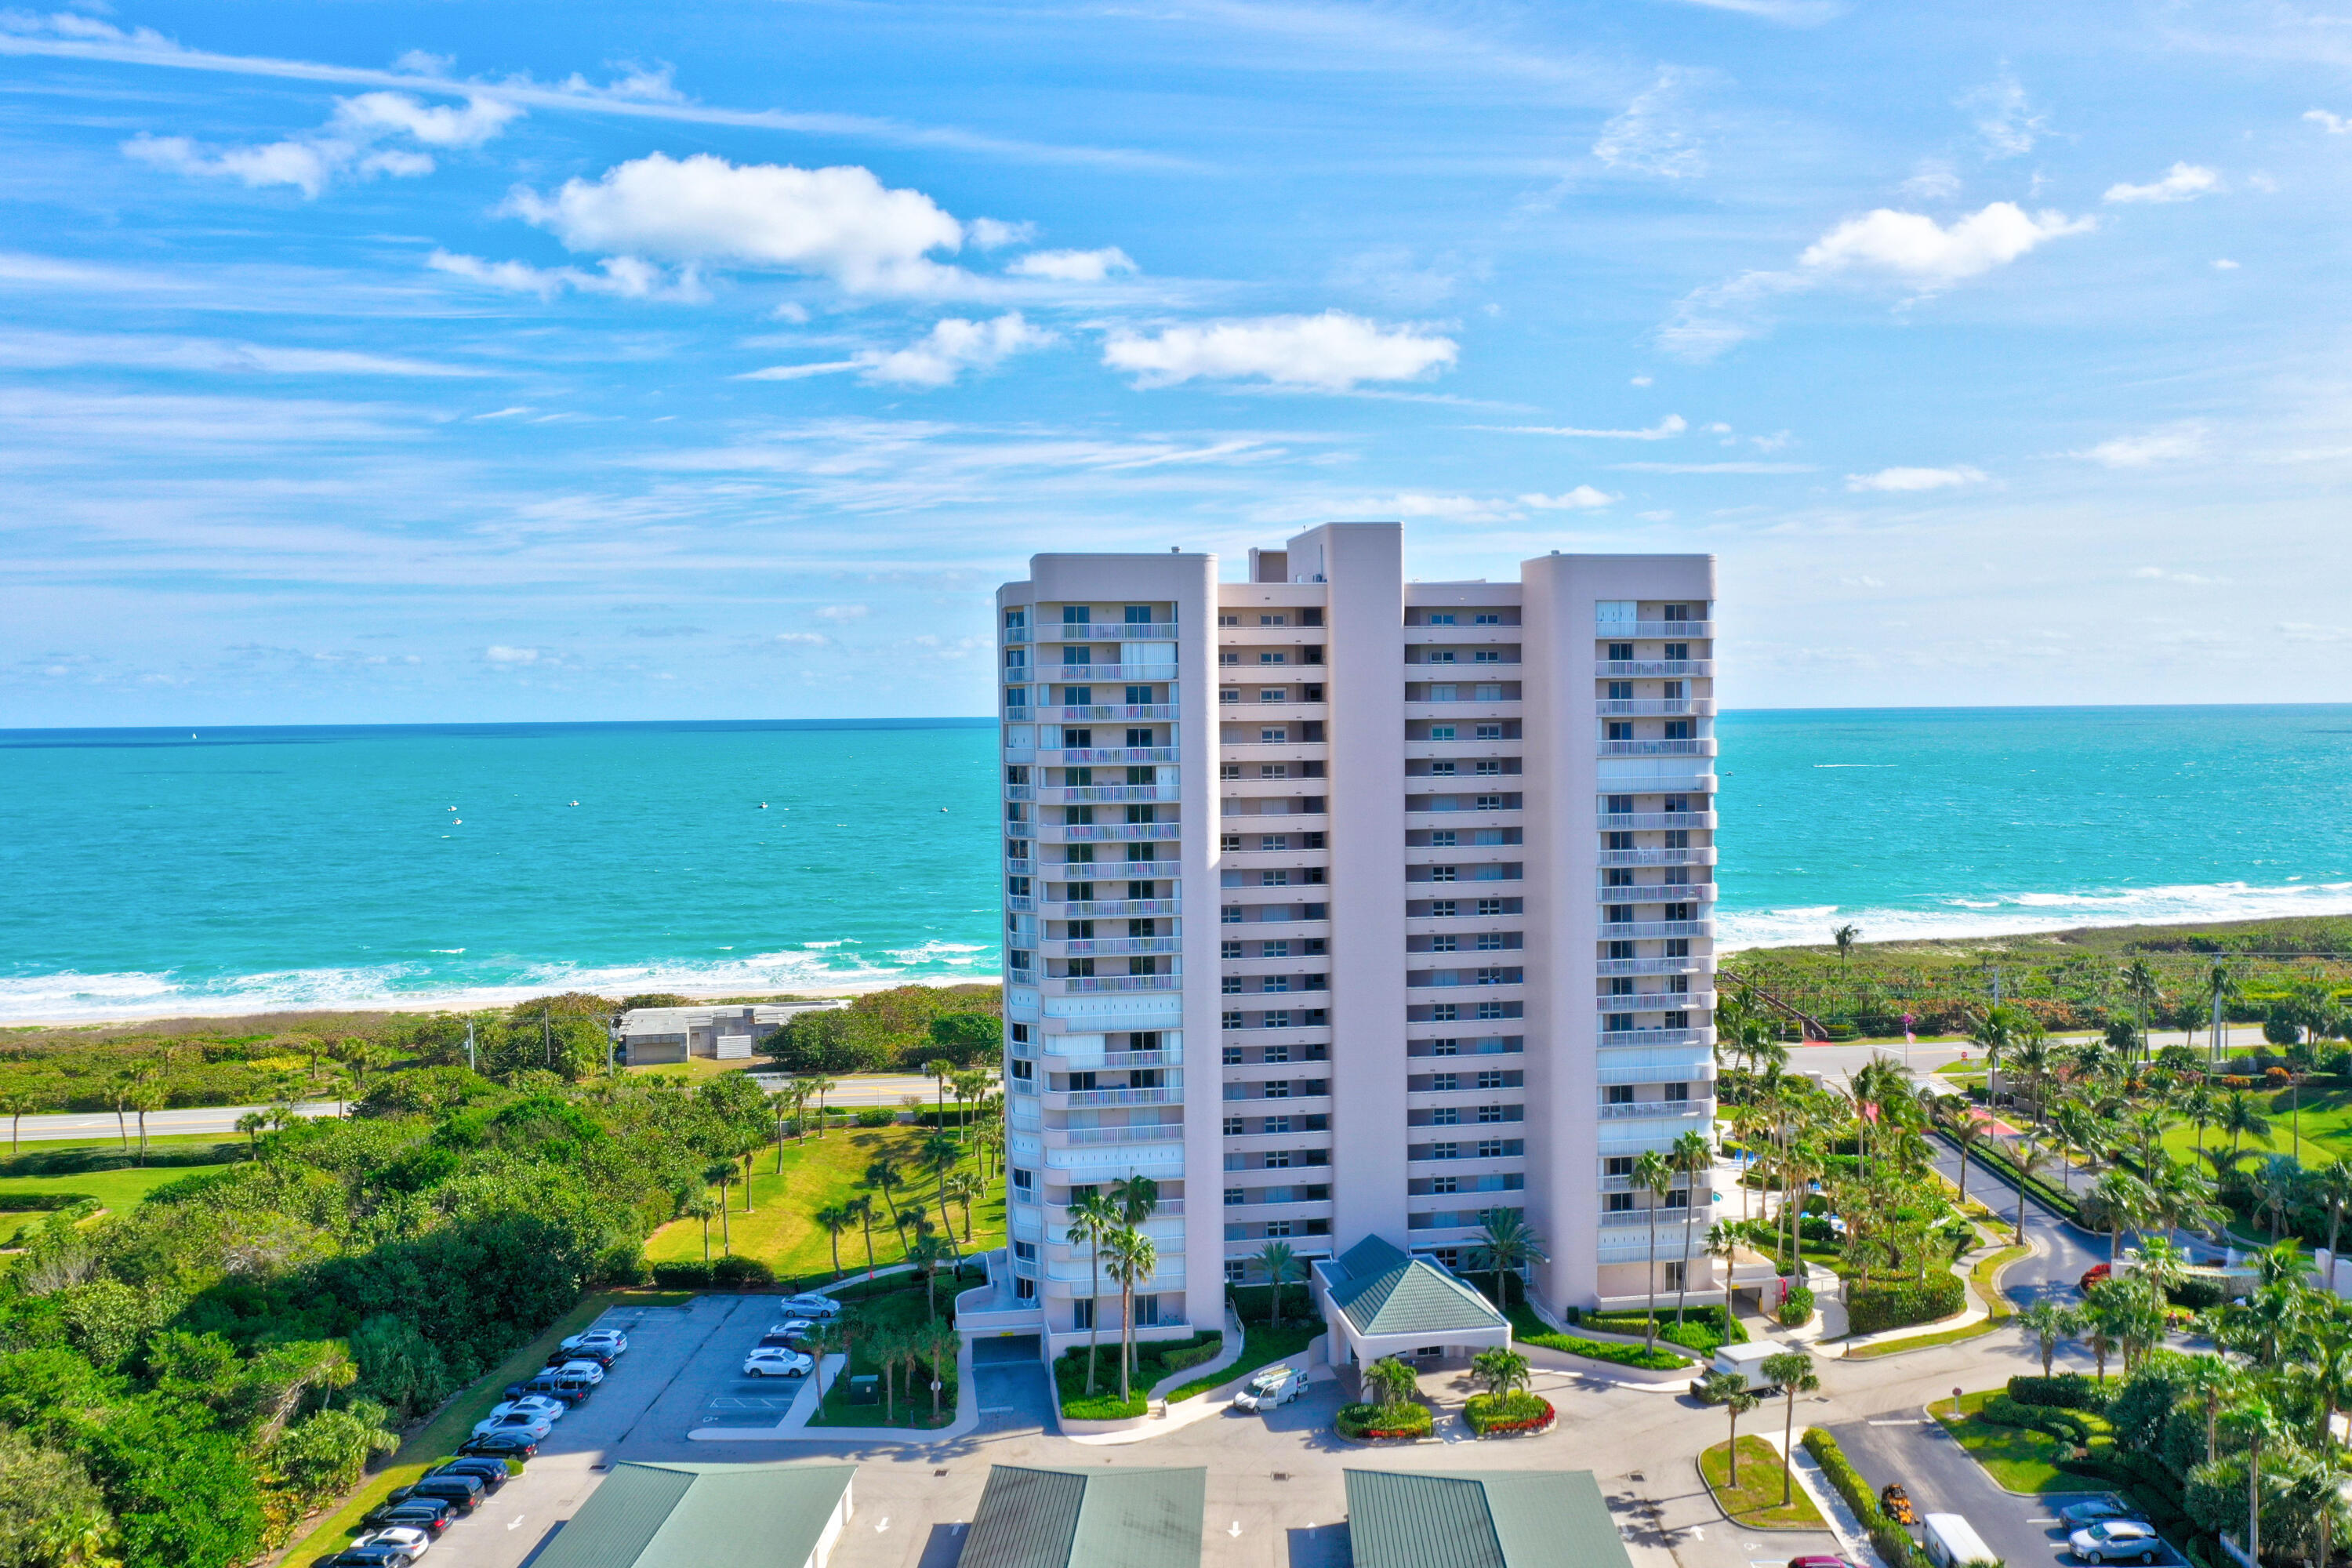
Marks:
<point>1893,1543</point>
<point>2067,1390</point>
<point>2068,1425</point>
<point>1797,1307</point>
<point>44,1203</point>
<point>1529,1329</point>
<point>1871,1308</point>
<point>1384,1423</point>
<point>1498,1414</point>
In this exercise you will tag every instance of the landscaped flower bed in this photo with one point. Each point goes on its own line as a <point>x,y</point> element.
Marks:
<point>1384,1423</point>
<point>1504,1415</point>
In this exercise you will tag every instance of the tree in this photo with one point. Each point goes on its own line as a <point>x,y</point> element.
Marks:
<point>2242,1116</point>
<point>2028,1158</point>
<point>1091,1219</point>
<point>1137,1198</point>
<point>1278,1263</point>
<point>940,1345</point>
<point>718,1172</point>
<point>2126,1201</point>
<point>1730,1390</point>
<point>1653,1171</point>
<point>1133,1256</point>
<point>14,1105</point>
<point>1964,1129</point>
<point>1392,1381</point>
<point>120,1091</point>
<point>781,1103</point>
<point>2256,1424</point>
<point>1507,1244</point>
<point>2145,992</point>
<point>820,1086</point>
<point>699,1206</point>
<point>1694,1153</point>
<point>963,1187</point>
<point>2049,1324</point>
<point>928,1253</point>
<point>967,1038</point>
<point>938,1157</point>
<point>2333,1184</point>
<point>883,1176</point>
<point>1793,1371</point>
<point>971,1087</point>
<point>1845,937</point>
<point>864,1208</point>
<point>885,1346</point>
<point>833,1219</point>
<point>1502,1371</point>
<point>253,1125</point>
<point>1723,1245</point>
<point>51,1514</point>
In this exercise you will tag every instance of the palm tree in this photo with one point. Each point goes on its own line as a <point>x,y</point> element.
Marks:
<point>1136,1197</point>
<point>119,1093</point>
<point>883,1176</point>
<point>718,1172</point>
<point>2255,1423</point>
<point>963,1187</point>
<point>1132,1258</point>
<point>863,1207</point>
<point>1278,1263</point>
<point>2197,1105</point>
<point>14,1105</point>
<point>1723,1245</point>
<point>2077,1128</point>
<point>1091,1218</point>
<point>781,1103</point>
<point>1730,1390</point>
<point>1694,1153</point>
<point>253,1125</point>
<point>2049,1324</point>
<point>833,1219</point>
<point>145,1096</point>
<point>1963,1128</point>
<point>1996,1031</point>
<point>1793,1371</point>
<point>940,1071</point>
<point>1502,1371</point>
<point>968,1087</point>
<point>1391,1381</point>
<point>2145,990</point>
<point>928,1253</point>
<point>940,1155</point>
<point>2333,1185</point>
<point>1507,1244</point>
<point>2242,1116</point>
<point>1844,936</point>
<point>2028,1158</point>
<point>887,1345</point>
<point>940,1344</point>
<point>2125,1200</point>
<point>820,1086</point>
<point>2221,986</point>
<point>2276,1189</point>
<point>699,1206</point>
<point>2033,1057</point>
<point>1655,1173</point>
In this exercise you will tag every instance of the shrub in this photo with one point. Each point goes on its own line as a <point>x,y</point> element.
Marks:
<point>741,1271</point>
<point>1797,1307</point>
<point>1870,1308</point>
<point>876,1116</point>
<point>2067,1390</point>
<point>1491,1414</point>
<point>681,1276</point>
<point>1378,1423</point>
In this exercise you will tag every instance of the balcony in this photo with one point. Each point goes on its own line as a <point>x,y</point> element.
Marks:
<point>1095,1099</point>
<point>1656,1001</point>
<point>1077,794</point>
<point>1021,904</point>
<point>1106,631</point>
<point>1670,1219</point>
<point>1087,755</point>
<point>1106,870</point>
<point>1088,984</point>
<point>1453,979</point>
<point>1018,792</point>
<point>1659,1072</point>
<point>1657,821</point>
<point>1096,908</point>
<point>1699,748</point>
<point>1112,946</point>
<point>1647,965</point>
<point>1655,893</point>
<point>1169,1209</point>
<point>1020,866</point>
<point>1618,631</point>
<point>1099,1060</point>
<point>1102,711</point>
<point>1655,708</point>
<point>1160,1133</point>
<point>1616,1039</point>
<point>1701,855</point>
<point>1637,930</point>
<point>1657,1110</point>
<point>1653,666</point>
<point>1059,674</point>
<point>1138,832</point>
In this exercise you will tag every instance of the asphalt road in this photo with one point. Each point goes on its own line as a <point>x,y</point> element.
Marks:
<point>2061,1252</point>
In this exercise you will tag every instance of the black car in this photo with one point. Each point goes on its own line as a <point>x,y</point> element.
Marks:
<point>571,1391</point>
<point>431,1515</point>
<point>463,1492</point>
<point>515,1443</point>
<point>490,1469</point>
<point>601,1356</point>
<point>369,1557</point>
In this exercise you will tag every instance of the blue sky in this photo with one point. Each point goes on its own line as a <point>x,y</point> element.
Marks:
<point>400,362</point>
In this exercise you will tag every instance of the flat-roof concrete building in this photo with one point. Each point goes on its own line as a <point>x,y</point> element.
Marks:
<point>1345,906</point>
<point>660,1037</point>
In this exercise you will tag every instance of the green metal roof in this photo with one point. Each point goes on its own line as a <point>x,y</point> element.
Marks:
<point>700,1516</point>
<point>1481,1518</point>
<point>1383,1291</point>
<point>1115,1518</point>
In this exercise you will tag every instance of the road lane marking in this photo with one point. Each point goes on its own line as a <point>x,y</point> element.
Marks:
<point>515,1521</point>
<point>1914,1422</point>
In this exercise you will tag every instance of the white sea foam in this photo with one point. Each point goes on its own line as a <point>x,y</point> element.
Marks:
<point>2034,911</point>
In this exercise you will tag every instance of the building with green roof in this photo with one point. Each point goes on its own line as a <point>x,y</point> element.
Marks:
<point>1481,1518</point>
<point>1115,1517</point>
<point>707,1516</point>
<point>1377,1301</point>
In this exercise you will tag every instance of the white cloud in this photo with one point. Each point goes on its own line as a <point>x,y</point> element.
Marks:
<point>2143,451</point>
<point>1647,138</point>
<point>2158,574</point>
<point>2003,119</point>
<point>1583,498</point>
<point>347,145</point>
<point>625,277</point>
<point>839,223</point>
<point>800,371</point>
<point>57,351</point>
<point>951,347</point>
<point>2224,264</point>
<point>649,84</point>
<point>1733,468</point>
<point>1921,251</point>
<point>995,233</point>
<point>1333,353</point>
<point>803,639</point>
<point>2334,125</point>
<point>1933,179</point>
<point>842,612</point>
<point>1903,479</point>
<point>1073,265</point>
<point>498,653</point>
<point>1789,12</point>
<point>1642,381</point>
<point>1672,425</point>
<point>2181,183</point>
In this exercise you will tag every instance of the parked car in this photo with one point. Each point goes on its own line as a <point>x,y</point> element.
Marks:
<point>416,1542</point>
<point>465,1493</point>
<point>2077,1515</point>
<point>587,1369</point>
<point>1951,1541</point>
<point>611,1338</point>
<point>1895,1503</point>
<point>531,1423</point>
<point>602,1356</point>
<point>432,1515</point>
<point>812,1306</point>
<point>767,1362</point>
<point>1274,1385</point>
<point>550,1384</point>
<point>2115,1541</point>
<point>542,1404</point>
<point>521,1444</point>
<point>488,1468</point>
<point>367,1557</point>
<point>1818,1562</point>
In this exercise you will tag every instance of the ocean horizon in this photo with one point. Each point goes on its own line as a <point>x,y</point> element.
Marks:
<point>157,871</point>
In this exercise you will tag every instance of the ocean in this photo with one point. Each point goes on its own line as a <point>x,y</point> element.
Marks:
<point>152,872</point>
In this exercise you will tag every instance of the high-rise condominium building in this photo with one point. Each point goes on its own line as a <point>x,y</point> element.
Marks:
<point>1347,907</point>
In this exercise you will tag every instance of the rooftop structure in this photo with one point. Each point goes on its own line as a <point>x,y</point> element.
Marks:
<point>707,1516</point>
<point>1120,1517</point>
<point>1481,1518</point>
<point>1383,1302</point>
<point>659,1036</point>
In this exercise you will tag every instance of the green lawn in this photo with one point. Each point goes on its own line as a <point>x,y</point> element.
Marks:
<point>35,1170</point>
<point>1755,1502</point>
<point>781,1230</point>
<point>1262,1345</point>
<point>898,1309</point>
<point>2326,1128</point>
<point>2018,1460</point>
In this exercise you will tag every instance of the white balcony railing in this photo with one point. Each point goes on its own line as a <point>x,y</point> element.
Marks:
<point>1169,1209</point>
<point>1610,631</point>
<point>1653,666</point>
<point>1657,1110</point>
<point>1059,674</point>
<point>1657,820</point>
<point>1076,794</point>
<point>1097,1061</point>
<point>1103,711</point>
<point>1656,1001</point>
<point>1095,909</point>
<point>1697,855</point>
<point>1698,748</point>
<point>1106,870</point>
<point>1650,965</point>
<point>1106,631</point>
<point>1138,832</point>
<point>1656,893</point>
<point>1093,1098</point>
<point>1101,946</point>
<point>1072,755</point>
<point>1085,984</point>
<point>1637,930</point>
<point>1161,1132</point>
<point>1659,1072</point>
<point>1615,1039</point>
<point>1655,707</point>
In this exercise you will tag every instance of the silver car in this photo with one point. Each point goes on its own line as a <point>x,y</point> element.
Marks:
<point>2116,1540</point>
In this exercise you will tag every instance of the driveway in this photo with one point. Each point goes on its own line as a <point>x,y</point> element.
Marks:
<point>2061,1251</point>
<point>1010,1382</point>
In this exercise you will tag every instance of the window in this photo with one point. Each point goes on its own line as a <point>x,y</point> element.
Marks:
<point>1618,730</point>
<point>1490,1148</point>
<point>1490,768</point>
<point>1275,949</point>
<point>1274,620</point>
<point>1275,1229</point>
<point>1444,1151</point>
<point>1488,656</point>
<point>1140,695</point>
<point>1445,1116</point>
<point>1236,1195</point>
<point>1487,803</point>
<point>1277,982</point>
<point>1622,652</point>
<point>1618,1094</point>
<point>1444,1012</point>
<point>1275,879</point>
<point>1273,770</point>
<point>1228,694</point>
<point>1078,697</point>
<point>1441,732</point>
<point>1490,732</point>
<point>1024,1072</point>
<point>1487,618</point>
<point>1025,1250</point>
<point>1231,982</point>
<point>1440,838</point>
<point>1275,1054</point>
<point>1443,1082</point>
<point>1229,843</point>
<point>1677,1093</point>
<point>1440,617</point>
<point>1278,1159</point>
<point>1229,659</point>
<point>1442,873</point>
<point>1273,659</point>
<point>1444,1186</point>
<point>1445,1047</point>
<point>1441,769</point>
<point>1490,940</point>
<point>1230,915</point>
<point>1490,1078</point>
<point>1237,1270</point>
<point>1621,1202</point>
<point>1274,841</point>
<point>1273,734</point>
<point>1076,614</point>
<point>1082,1313</point>
<point>1490,1113</point>
<point>1278,1020</point>
<point>1233,1021</point>
<point>1016,618</point>
<point>1233,1127</point>
<point>1229,770</point>
<point>1229,950</point>
<point>1444,944</point>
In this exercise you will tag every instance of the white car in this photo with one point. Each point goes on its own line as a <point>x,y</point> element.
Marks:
<point>769,1361</point>
<point>2116,1540</point>
<point>812,1306</point>
<point>416,1542</point>
<point>586,1370</point>
<point>790,1329</point>
<point>527,1422</point>
<point>1274,1385</point>
<point>537,1404</point>
<point>612,1340</point>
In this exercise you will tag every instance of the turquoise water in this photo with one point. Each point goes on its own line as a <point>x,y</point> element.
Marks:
<point>148,872</point>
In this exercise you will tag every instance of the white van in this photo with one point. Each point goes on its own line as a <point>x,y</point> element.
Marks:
<point>1747,1362</point>
<point>1951,1543</point>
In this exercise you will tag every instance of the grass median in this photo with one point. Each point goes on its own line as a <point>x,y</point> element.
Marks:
<point>1755,1502</point>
